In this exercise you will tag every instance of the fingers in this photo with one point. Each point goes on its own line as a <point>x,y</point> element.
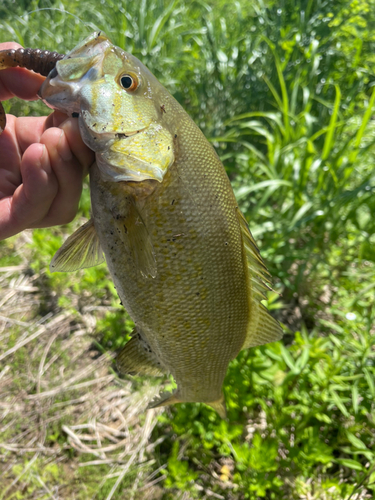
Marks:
<point>51,172</point>
<point>84,155</point>
<point>69,174</point>
<point>31,201</point>
<point>10,159</point>
<point>42,162</point>
<point>29,130</point>
<point>18,81</point>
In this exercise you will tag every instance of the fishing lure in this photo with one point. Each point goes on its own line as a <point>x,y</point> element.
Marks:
<point>40,61</point>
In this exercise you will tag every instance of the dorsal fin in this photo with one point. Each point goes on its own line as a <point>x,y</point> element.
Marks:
<point>262,327</point>
<point>82,249</point>
<point>259,276</point>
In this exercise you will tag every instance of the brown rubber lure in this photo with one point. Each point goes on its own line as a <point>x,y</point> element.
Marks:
<point>39,61</point>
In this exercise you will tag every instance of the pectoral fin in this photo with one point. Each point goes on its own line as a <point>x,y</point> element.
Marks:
<point>137,358</point>
<point>135,235</point>
<point>82,249</point>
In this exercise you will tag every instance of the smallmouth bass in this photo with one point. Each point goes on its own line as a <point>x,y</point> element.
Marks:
<point>179,251</point>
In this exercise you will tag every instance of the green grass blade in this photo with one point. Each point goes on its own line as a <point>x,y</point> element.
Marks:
<point>365,120</point>
<point>328,142</point>
<point>301,212</point>
<point>274,91</point>
<point>245,190</point>
<point>159,23</point>
<point>361,130</point>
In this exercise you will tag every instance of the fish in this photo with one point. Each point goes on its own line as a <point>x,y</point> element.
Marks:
<point>165,219</point>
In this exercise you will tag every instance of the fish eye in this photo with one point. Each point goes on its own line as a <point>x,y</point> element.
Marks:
<point>129,82</point>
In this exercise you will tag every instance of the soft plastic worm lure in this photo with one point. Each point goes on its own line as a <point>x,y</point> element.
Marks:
<point>40,61</point>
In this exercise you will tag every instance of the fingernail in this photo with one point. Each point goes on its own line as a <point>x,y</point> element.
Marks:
<point>43,161</point>
<point>42,154</point>
<point>63,148</point>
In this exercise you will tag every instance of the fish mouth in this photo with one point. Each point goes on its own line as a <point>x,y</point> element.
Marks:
<point>124,135</point>
<point>108,128</point>
<point>61,89</point>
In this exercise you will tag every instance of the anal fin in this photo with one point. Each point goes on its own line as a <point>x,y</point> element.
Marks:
<point>165,399</point>
<point>137,358</point>
<point>82,249</point>
<point>168,399</point>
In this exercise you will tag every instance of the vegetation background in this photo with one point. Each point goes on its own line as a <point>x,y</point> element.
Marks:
<point>285,92</point>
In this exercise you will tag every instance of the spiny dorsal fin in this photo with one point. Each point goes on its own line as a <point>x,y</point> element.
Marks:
<point>258,274</point>
<point>82,249</point>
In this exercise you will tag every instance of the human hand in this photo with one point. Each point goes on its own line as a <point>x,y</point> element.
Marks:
<point>42,161</point>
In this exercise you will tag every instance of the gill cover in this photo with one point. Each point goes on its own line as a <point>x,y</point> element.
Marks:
<point>121,124</point>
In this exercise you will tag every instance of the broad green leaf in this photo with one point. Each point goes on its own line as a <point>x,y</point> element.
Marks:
<point>338,402</point>
<point>323,417</point>
<point>356,442</point>
<point>370,381</point>
<point>355,396</point>
<point>365,120</point>
<point>303,359</point>
<point>287,357</point>
<point>348,462</point>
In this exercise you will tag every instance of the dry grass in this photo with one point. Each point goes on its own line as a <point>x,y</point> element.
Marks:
<point>61,403</point>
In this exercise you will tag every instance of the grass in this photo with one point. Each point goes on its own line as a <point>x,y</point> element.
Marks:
<point>284,90</point>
